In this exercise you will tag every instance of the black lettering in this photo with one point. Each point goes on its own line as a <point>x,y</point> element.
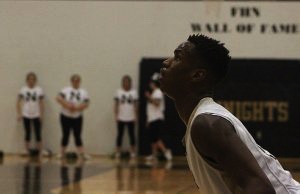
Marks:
<point>196,27</point>
<point>245,12</point>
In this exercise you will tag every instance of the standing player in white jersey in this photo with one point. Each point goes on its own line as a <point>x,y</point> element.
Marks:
<point>30,108</point>
<point>221,153</point>
<point>155,120</point>
<point>73,100</point>
<point>126,100</point>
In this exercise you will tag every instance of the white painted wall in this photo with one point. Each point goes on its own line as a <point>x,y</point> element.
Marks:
<point>103,41</point>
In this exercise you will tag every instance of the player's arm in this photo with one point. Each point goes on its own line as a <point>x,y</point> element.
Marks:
<point>60,99</point>
<point>41,106</point>
<point>85,104</point>
<point>150,99</point>
<point>19,105</point>
<point>116,108</point>
<point>136,109</point>
<point>216,140</point>
<point>155,101</point>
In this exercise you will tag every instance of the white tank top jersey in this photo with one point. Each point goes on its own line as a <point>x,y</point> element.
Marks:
<point>31,98</point>
<point>212,181</point>
<point>75,97</point>
<point>155,113</point>
<point>126,101</point>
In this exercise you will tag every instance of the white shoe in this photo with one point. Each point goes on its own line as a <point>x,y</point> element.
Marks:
<point>150,157</point>
<point>117,155</point>
<point>151,163</point>
<point>168,165</point>
<point>85,156</point>
<point>168,155</point>
<point>132,155</point>
<point>60,156</point>
<point>46,153</point>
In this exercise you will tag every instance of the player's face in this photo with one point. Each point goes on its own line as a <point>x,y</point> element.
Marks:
<point>176,71</point>
<point>31,81</point>
<point>75,82</point>
<point>126,84</point>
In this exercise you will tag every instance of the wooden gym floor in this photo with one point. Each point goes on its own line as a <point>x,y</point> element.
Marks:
<point>100,175</point>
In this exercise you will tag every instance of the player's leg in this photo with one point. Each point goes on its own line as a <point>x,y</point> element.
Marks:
<point>77,131</point>
<point>131,126</point>
<point>153,138</point>
<point>38,133</point>
<point>77,128</point>
<point>160,143</point>
<point>162,147</point>
<point>66,128</point>
<point>120,128</point>
<point>26,123</point>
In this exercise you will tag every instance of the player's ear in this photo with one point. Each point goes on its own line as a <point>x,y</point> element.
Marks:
<point>199,75</point>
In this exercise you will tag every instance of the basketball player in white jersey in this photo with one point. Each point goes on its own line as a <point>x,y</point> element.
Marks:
<point>222,155</point>
<point>155,120</point>
<point>30,108</point>
<point>73,100</point>
<point>126,106</point>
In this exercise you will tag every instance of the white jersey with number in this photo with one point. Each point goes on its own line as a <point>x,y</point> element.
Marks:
<point>31,101</point>
<point>75,97</point>
<point>126,107</point>
<point>155,113</point>
<point>212,181</point>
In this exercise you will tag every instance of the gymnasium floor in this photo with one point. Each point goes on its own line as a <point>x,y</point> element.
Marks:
<point>101,175</point>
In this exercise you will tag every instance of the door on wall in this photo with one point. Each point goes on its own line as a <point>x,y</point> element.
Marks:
<point>263,93</point>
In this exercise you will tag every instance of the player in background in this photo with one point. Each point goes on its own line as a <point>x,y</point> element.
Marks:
<point>126,114</point>
<point>30,109</point>
<point>155,120</point>
<point>73,100</point>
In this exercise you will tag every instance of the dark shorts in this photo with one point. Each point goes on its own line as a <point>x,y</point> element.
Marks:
<point>155,128</point>
<point>32,125</point>
<point>121,128</point>
<point>69,125</point>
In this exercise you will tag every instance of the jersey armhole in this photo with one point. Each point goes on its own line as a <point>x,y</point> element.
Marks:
<point>61,94</point>
<point>222,116</point>
<point>212,164</point>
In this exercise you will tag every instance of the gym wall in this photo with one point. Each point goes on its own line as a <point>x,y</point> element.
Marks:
<point>104,40</point>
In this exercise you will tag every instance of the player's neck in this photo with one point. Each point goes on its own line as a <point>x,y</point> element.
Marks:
<point>30,86</point>
<point>126,89</point>
<point>186,104</point>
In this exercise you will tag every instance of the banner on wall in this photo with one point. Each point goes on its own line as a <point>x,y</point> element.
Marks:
<point>239,20</point>
<point>263,93</point>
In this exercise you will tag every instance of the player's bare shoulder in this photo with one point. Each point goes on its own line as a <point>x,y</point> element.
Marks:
<point>209,132</point>
<point>209,124</point>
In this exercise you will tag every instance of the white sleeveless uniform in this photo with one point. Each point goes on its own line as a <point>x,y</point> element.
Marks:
<point>126,107</point>
<point>212,181</point>
<point>76,97</point>
<point>31,98</point>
